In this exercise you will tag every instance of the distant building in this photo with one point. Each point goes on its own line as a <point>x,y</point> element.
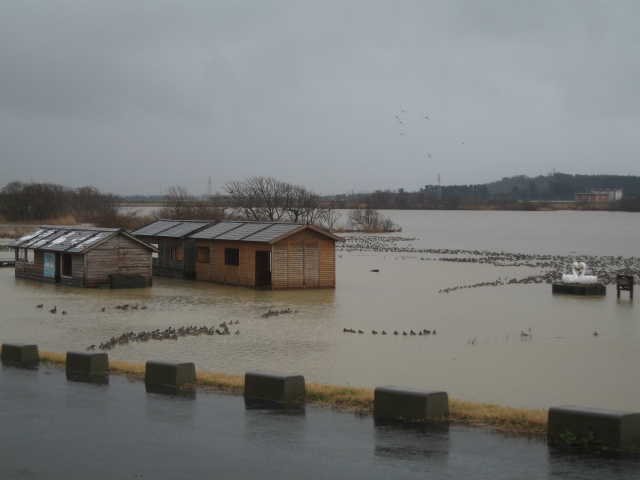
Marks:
<point>600,196</point>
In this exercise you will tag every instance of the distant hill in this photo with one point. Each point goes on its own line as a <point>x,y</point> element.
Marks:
<point>560,186</point>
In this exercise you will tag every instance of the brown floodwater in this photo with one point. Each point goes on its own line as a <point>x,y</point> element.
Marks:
<point>477,354</point>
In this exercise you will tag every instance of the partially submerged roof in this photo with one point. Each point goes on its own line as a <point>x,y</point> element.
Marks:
<point>265,232</point>
<point>172,228</point>
<point>69,239</point>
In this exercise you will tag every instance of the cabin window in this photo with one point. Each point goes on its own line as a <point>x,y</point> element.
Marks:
<point>202,254</point>
<point>24,255</point>
<point>65,264</point>
<point>177,253</point>
<point>154,254</point>
<point>232,256</point>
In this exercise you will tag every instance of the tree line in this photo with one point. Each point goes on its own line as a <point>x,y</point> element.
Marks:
<point>256,198</point>
<point>512,193</point>
<point>37,202</point>
<point>560,186</point>
<point>261,198</point>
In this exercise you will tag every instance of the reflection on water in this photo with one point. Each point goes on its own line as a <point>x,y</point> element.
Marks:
<point>418,441</point>
<point>562,363</point>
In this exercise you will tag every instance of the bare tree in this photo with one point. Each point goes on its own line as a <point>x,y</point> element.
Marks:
<point>178,203</point>
<point>259,198</point>
<point>268,199</point>
<point>91,205</point>
<point>301,204</point>
<point>369,220</point>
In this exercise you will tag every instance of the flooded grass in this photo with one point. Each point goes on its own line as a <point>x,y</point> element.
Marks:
<point>508,420</point>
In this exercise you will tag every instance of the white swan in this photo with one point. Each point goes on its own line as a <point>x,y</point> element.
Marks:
<point>585,279</point>
<point>573,278</point>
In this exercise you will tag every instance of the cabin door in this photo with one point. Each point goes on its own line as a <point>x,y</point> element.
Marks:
<point>263,268</point>
<point>52,266</point>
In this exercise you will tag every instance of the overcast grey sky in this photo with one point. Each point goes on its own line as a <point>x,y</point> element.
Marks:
<point>135,96</point>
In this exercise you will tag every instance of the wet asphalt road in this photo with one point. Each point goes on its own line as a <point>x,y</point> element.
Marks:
<point>56,428</point>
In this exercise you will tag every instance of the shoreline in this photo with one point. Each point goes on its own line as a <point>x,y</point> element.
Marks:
<point>512,421</point>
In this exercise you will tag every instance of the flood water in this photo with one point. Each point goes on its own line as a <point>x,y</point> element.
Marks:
<point>477,354</point>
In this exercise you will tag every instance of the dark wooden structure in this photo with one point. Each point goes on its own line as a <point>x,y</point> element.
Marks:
<point>575,289</point>
<point>81,256</point>
<point>176,251</point>
<point>266,254</point>
<point>624,283</point>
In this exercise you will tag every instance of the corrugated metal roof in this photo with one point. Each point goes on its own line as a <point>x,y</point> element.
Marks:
<point>68,240</point>
<point>217,229</point>
<point>183,229</point>
<point>172,228</point>
<point>242,231</point>
<point>155,228</point>
<point>64,239</point>
<point>247,231</point>
<point>272,232</point>
<point>89,242</point>
<point>36,237</point>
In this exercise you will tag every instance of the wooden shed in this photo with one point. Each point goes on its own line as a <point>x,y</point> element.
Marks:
<point>176,255</point>
<point>266,254</point>
<point>82,256</point>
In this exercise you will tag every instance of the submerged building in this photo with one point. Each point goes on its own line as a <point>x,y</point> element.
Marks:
<point>83,256</point>
<point>176,250</point>
<point>266,254</point>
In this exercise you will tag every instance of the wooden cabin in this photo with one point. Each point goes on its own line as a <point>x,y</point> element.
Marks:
<point>266,254</point>
<point>82,256</point>
<point>176,255</point>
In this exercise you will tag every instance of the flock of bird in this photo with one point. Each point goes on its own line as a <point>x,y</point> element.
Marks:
<point>551,267</point>
<point>275,313</point>
<point>170,333</point>
<point>126,307</point>
<point>104,309</point>
<point>402,118</point>
<point>53,310</point>
<point>422,332</point>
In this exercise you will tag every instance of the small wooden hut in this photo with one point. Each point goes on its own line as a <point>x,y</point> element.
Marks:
<point>176,251</point>
<point>266,254</point>
<point>83,256</point>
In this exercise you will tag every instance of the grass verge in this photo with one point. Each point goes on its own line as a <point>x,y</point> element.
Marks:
<point>508,420</point>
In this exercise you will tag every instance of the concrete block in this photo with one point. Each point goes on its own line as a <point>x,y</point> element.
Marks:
<point>20,353</point>
<point>87,362</point>
<point>613,427</point>
<point>274,386</point>
<point>162,372</point>
<point>409,403</point>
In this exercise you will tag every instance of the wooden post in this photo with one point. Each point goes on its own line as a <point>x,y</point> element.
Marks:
<point>624,282</point>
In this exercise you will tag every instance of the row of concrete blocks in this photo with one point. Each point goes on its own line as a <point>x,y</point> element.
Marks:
<point>611,427</point>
